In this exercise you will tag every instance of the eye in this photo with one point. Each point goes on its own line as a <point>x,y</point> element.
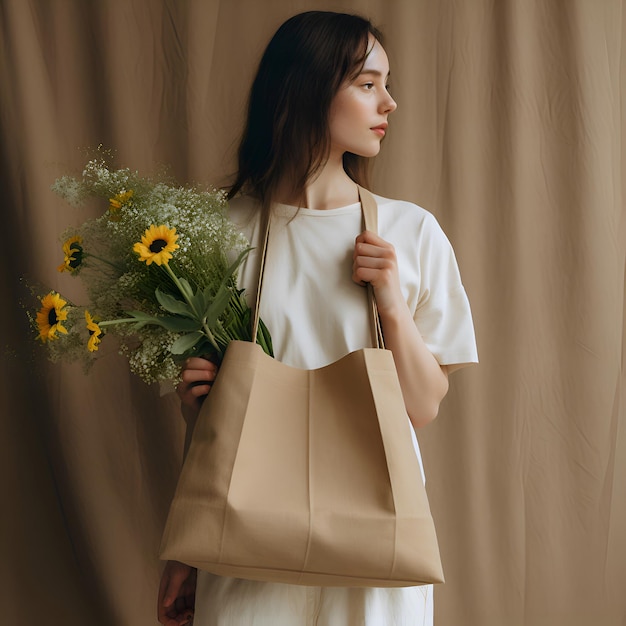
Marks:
<point>368,85</point>
<point>388,87</point>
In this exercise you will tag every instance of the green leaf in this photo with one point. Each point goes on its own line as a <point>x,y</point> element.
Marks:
<point>179,324</point>
<point>188,291</point>
<point>202,348</point>
<point>142,319</point>
<point>215,308</point>
<point>238,261</point>
<point>219,304</point>
<point>186,342</point>
<point>199,303</point>
<point>172,305</point>
<point>264,338</point>
<point>175,324</point>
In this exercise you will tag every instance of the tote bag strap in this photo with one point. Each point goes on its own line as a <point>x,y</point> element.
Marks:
<point>369,210</point>
<point>257,305</point>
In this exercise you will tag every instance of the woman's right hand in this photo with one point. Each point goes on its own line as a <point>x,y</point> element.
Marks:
<point>177,594</point>
<point>197,376</point>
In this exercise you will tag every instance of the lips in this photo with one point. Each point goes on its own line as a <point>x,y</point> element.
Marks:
<point>380,129</point>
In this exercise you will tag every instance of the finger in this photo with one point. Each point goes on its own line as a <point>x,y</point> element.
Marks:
<point>367,235</point>
<point>176,619</point>
<point>198,366</point>
<point>174,578</point>
<point>193,387</point>
<point>195,401</point>
<point>197,362</point>
<point>370,249</point>
<point>178,574</point>
<point>373,262</point>
<point>377,276</point>
<point>363,276</point>
<point>193,376</point>
<point>373,270</point>
<point>180,605</point>
<point>165,578</point>
<point>195,384</point>
<point>183,610</point>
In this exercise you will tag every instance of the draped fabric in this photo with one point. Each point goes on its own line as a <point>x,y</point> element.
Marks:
<point>510,129</point>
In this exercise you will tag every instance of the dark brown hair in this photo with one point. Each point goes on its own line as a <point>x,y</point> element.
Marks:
<point>287,136</point>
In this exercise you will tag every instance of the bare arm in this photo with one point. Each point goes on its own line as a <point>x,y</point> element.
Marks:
<point>197,377</point>
<point>423,381</point>
<point>178,581</point>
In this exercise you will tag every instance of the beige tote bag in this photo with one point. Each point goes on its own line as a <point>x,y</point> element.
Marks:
<point>305,476</point>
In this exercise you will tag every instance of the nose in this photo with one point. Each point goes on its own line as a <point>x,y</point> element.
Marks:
<point>388,105</point>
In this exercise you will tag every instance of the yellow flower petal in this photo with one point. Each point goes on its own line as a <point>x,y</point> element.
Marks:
<point>95,333</point>
<point>157,245</point>
<point>118,201</point>
<point>73,252</point>
<point>50,317</point>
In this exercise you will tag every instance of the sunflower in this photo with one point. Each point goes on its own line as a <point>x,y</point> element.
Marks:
<point>73,251</point>
<point>118,201</point>
<point>157,244</point>
<point>95,333</point>
<point>50,316</point>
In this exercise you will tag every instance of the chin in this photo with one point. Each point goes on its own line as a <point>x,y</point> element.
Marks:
<point>369,152</point>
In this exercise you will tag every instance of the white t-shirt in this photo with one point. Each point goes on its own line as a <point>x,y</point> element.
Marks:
<point>316,314</point>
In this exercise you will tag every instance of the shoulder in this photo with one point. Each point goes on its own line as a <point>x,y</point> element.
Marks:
<point>244,211</point>
<point>408,219</point>
<point>404,208</point>
<point>242,207</point>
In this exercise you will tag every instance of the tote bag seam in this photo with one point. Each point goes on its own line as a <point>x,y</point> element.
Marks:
<point>309,474</point>
<point>226,500</point>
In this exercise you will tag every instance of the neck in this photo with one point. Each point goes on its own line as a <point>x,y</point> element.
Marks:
<point>330,189</point>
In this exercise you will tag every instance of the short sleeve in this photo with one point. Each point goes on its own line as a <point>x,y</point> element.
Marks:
<point>443,315</point>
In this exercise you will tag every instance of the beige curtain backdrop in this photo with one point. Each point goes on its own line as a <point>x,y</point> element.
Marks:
<point>510,129</point>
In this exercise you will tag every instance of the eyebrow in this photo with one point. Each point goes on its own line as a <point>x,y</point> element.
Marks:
<point>374,72</point>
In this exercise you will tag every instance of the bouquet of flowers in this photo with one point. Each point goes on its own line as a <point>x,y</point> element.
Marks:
<point>156,270</point>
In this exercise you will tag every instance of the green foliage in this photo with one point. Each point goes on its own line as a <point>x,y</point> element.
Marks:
<point>164,313</point>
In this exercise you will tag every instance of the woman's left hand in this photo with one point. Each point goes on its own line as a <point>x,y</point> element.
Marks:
<point>375,262</point>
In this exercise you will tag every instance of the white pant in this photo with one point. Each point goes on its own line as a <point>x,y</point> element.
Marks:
<point>235,602</point>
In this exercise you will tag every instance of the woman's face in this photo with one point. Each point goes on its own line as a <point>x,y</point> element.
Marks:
<point>358,113</point>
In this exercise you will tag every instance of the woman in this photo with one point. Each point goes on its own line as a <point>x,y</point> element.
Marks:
<point>318,110</point>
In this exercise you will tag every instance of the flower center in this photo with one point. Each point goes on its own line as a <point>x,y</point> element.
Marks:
<point>157,245</point>
<point>77,256</point>
<point>52,317</point>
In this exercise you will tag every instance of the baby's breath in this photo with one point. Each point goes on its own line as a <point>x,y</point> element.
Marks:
<point>117,283</point>
<point>152,360</point>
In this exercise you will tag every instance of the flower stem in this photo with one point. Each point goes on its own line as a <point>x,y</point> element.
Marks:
<point>119,268</point>
<point>124,320</point>
<point>199,315</point>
